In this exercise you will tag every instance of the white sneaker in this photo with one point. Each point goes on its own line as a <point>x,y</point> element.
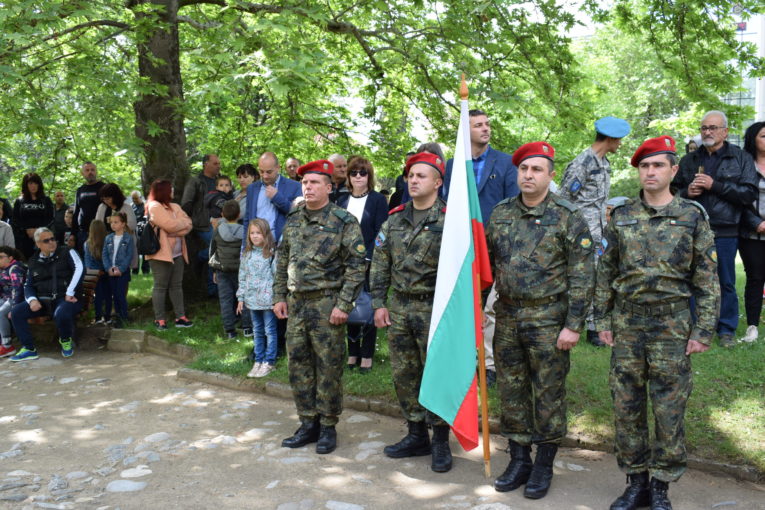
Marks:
<point>265,369</point>
<point>751,335</point>
<point>255,369</point>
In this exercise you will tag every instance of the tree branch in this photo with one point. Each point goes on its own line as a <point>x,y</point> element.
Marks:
<point>198,24</point>
<point>186,3</point>
<point>89,24</point>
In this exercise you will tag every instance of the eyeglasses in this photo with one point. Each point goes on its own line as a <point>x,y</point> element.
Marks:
<point>711,129</point>
<point>47,240</point>
<point>362,173</point>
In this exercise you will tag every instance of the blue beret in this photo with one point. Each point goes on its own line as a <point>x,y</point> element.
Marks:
<point>613,127</point>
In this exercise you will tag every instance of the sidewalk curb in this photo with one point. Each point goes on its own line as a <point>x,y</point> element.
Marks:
<point>139,341</point>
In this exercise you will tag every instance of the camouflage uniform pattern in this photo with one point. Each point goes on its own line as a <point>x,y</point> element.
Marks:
<point>406,260</point>
<point>653,261</point>
<point>586,183</point>
<point>320,265</point>
<point>543,270</point>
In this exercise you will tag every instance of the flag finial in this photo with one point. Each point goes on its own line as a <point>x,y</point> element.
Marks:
<point>463,89</point>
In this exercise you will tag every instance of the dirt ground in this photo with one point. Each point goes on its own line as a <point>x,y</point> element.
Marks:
<point>107,430</point>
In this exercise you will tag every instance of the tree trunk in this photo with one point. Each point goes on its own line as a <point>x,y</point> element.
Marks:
<point>158,114</point>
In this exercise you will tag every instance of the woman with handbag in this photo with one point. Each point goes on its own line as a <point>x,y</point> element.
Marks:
<point>171,224</point>
<point>371,209</point>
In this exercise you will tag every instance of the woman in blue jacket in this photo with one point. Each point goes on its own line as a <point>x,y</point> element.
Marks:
<point>116,257</point>
<point>371,209</point>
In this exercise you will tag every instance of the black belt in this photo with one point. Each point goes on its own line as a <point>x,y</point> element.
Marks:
<point>421,296</point>
<point>531,302</point>
<point>314,294</point>
<point>653,310</point>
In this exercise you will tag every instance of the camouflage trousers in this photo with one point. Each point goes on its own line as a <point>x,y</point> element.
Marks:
<point>407,345</point>
<point>316,351</point>
<point>648,359</point>
<point>596,232</point>
<point>531,372</point>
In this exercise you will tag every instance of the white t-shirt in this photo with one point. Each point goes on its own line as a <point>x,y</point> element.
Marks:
<point>356,206</point>
<point>117,241</point>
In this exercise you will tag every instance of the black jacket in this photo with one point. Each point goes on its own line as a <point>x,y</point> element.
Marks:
<point>734,188</point>
<point>49,277</point>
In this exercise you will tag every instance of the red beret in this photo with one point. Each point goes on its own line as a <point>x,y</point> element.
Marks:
<point>533,150</point>
<point>653,146</point>
<point>321,166</point>
<point>427,158</point>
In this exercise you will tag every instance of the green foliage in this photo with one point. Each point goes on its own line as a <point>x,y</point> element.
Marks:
<point>309,79</point>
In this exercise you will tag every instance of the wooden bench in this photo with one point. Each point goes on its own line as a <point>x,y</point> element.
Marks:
<point>89,283</point>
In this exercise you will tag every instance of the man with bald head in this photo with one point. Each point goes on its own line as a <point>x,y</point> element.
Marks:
<point>722,178</point>
<point>339,176</point>
<point>271,197</point>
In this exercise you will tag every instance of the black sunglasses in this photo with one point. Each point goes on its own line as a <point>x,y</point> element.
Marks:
<point>362,173</point>
<point>48,240</point>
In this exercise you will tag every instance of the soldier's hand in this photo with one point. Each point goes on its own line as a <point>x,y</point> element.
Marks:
<point>280,310</point>
<point>606,337</point>
<point>567,339</point>
<point>382,318</point>
<point>337,316</point>
<point>694,347</point>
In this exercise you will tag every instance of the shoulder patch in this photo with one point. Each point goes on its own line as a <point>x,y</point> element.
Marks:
<point>380,239</point>
<point>575,186</point>
<point>563,203</point>
<point>396,209</point>
<point>712,254</point>
<point>699,207</point>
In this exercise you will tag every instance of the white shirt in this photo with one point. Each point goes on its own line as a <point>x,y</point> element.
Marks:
<point>356,206</point>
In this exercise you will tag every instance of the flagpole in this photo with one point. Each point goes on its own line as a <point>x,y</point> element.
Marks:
<point>481,360</point>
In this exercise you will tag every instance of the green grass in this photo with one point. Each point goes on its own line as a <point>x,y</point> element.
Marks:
<point>725,418</point>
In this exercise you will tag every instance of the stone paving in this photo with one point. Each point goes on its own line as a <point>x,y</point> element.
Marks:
<point>108,430</point>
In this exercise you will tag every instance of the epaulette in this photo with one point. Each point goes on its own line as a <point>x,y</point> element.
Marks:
<point>563,202</point>
<point>397,209</point>
<point>343,214</point>
<point>298,207</point>
<point>698,206</point>
<point>617,206</point>
<point>505,201</point>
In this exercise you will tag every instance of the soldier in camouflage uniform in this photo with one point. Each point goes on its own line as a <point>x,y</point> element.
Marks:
<point>541,253</point>
<point>406,260</point>
<point>657,252</point>
<point>587,181</point>
<point>320,270</point>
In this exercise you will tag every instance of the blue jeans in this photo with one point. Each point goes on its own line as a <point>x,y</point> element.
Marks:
<point>264,327</point>
<point>64,315</point>
<point>118,289</point>
<point>102,301</point>
<point>228,283</point>
<point>726,271</point>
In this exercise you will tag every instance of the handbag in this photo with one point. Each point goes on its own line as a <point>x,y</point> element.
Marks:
<point>362,313</point>
<point>148,242</point>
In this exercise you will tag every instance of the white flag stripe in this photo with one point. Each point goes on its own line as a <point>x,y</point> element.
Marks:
<point>458,230</point>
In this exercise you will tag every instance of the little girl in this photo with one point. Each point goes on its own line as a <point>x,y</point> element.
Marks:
<point>94,248</point>
<point>256,277</point>
<point>12,274</point>
<point>117,255</point>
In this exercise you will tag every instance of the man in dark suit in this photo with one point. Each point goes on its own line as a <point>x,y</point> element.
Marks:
<point>271,197</point>
<point>496,178</point>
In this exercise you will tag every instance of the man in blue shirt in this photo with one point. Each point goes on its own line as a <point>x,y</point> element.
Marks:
<point>496,178</point>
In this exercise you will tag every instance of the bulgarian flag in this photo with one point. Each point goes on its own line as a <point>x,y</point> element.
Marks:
<point>449,383</point>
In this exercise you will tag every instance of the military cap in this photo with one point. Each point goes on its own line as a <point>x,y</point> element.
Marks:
<point>653,146</point>
<point>613,127</point>
<point>533,150</point>
<point>321,166</point>
<point>426,158</point>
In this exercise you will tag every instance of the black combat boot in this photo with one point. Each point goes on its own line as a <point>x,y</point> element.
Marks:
<point>415,444</point>
<point>659,498</point>
<point>327,439</point>
<point>636,495</point>
<point>518,471</point>
<point>542,472</point>
<point>307,433</point>
<point>442,455</point>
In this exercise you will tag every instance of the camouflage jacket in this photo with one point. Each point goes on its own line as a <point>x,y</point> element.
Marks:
<point>542,251</point>
<point>586,183</point>
<point>406,255</point>
<point>321,252</point>
<point>654,256</point>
